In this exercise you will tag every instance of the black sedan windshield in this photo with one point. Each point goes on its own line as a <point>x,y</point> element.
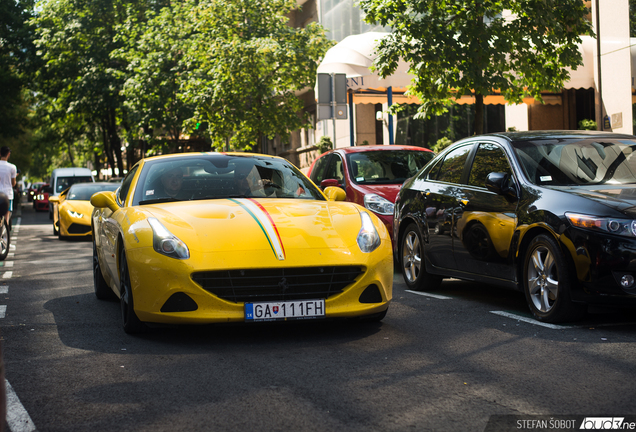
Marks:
<point>386,167</point>
<point>574,161</point>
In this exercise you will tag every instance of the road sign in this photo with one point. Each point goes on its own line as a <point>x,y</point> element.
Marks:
<point>332,96</point>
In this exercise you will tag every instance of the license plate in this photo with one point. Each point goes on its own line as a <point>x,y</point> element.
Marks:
<point>287,310</point>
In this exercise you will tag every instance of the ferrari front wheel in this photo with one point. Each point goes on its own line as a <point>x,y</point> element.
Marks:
<point>130,321</point>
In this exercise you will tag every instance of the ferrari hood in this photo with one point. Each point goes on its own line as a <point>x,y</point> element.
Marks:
<point>271,225</point>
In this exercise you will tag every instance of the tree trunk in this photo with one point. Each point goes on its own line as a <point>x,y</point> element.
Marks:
<point>115,141</point>
<point>478,127</point>
<point>70,153</point>
<point>106,140</point>
<point>98,165</point>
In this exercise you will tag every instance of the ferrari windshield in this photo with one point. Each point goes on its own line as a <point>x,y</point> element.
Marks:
<point>574,161</point>
<point>217,176</point>
<point>84,191</point>
<point>386,167</point>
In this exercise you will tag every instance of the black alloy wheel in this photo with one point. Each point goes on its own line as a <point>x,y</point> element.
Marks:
<point>102,290</point>
<point>131,322</point>
<point>413,267</point>
<point>547,282</point>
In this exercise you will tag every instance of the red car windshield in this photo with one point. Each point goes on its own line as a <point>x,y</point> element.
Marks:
<point>386,167</point>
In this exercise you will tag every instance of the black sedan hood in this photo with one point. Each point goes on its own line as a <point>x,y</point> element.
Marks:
<point>618,197</point>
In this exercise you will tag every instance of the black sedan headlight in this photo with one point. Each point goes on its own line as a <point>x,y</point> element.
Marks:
<point>623,227</point>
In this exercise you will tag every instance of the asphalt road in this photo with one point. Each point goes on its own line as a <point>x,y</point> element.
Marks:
<point>443,363</point>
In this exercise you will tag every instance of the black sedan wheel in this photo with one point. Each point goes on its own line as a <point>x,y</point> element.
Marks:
<point>5,241</point>
<point>102,290</point>
<point>131,322</point>
<point>547,282</point>
<point>412,260</point>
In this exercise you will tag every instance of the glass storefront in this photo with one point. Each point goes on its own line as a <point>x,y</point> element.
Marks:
<point>343,18</point>
<point>457,123</point>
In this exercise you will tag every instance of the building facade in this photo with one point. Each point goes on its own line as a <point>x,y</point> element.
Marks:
<point>600,90</point>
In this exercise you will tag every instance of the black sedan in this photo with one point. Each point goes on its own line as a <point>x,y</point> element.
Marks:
<point>550,213</point>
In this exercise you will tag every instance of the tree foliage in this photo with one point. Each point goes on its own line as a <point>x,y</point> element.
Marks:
<point>245,65</point>
<point>465,47</point>
<point>120,75</point>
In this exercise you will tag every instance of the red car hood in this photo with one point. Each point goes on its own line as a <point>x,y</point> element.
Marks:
<point>387,191</point>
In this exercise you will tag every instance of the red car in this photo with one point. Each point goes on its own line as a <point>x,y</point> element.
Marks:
<point>41,198</point>
<point>370,175</point>
<point>32,190</point>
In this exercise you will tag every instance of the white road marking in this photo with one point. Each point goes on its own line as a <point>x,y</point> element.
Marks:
<point>11,254</point>
<point>7,275</point>
<point>57,261</point>
<point>18,418</point>
<point>4,289</point>
<point>8,263</point>
<point>531,321</point>
<point>3,311</point>
<point>437,296</point>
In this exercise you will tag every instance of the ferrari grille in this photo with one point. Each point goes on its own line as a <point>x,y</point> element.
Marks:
<point>277,284</point>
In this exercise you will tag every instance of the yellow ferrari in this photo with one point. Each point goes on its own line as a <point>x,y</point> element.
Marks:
<point>233,237</point>
<point>72,209</point>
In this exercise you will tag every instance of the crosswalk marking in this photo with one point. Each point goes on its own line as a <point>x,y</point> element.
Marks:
<point>18,418</point>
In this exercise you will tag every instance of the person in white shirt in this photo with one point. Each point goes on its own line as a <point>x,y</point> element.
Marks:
<point>8,174</point>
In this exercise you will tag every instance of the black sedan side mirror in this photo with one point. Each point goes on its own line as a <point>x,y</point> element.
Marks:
<point>502,184</point>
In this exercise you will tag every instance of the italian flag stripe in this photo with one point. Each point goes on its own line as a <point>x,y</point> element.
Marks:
<point>265,222</point>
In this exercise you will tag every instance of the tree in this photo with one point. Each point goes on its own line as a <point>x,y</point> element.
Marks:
<point>153,48</point>
<point>15,54</point>
<point>245,65</point>
<point>464,47</point>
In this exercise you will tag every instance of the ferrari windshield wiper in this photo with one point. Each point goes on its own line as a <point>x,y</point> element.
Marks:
<point>158,200</point>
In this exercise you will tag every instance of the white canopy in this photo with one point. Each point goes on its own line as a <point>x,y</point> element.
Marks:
<point>354,57</point>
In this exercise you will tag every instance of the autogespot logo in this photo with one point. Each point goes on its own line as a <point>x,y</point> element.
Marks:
<point>606,423</point>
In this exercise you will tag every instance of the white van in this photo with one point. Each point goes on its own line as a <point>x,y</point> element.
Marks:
<point>62,178</point>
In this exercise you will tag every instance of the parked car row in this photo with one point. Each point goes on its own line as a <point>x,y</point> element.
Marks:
<point>222,237</point>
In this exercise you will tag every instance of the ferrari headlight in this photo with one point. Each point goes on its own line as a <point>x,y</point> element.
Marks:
<point>368,238</point>
<point>377,204</point>
<point>75,214</point>
<point>623,227</point>
<point>166,243</point>
<point>40,197</point>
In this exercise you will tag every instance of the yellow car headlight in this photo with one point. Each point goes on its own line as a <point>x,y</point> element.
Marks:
<point>166,243</point>
<point>368,237</point>
<point>75,214</point>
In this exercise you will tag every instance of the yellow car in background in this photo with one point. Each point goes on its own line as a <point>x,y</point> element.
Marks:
<point>201,238</point>
<point>72,209</point>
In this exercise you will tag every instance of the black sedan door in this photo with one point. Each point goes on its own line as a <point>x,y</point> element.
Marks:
<point>440,194</point>
<point>485,221</point>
